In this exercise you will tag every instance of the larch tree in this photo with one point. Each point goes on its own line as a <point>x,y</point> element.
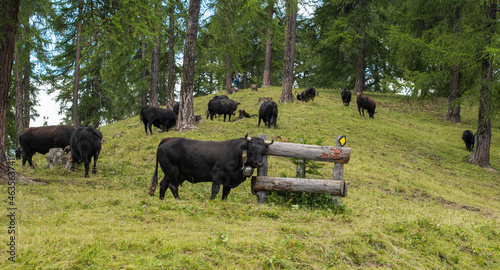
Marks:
<point>155,66</point>
<point>289,51</point>
<point>9,11</point>
<point>171,59</point>
<point>185,119</point>
<point>266,78</point>
<point>78,49</point>
<point>481,152</point>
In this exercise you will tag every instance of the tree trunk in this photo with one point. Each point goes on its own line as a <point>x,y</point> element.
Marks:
<point>171,64</point>
<point>266,80</point>
<point>155,70</point>
<point>453,114</point>
<point>144,92</point>
<point>289,51</point>
<point>76,119</point>
<point>229,80</point>
<point>22,74</point>
<point>9,11</point>
<point>481,153</point>
<point>360,68</point>
<point>229,77</point>
<point>185,119</point>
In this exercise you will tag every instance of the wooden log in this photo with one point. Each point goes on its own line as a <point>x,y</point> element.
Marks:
<point>338,173</point>
<point>312,152</point>
<point>316,186</point>
<point>262,171</point>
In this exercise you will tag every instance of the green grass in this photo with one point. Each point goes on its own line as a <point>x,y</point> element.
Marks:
<point>413,200</point>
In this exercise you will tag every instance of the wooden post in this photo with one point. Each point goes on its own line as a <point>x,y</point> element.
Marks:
<point>262,171</point>
<point>338,174</point>
<point>301,167</point>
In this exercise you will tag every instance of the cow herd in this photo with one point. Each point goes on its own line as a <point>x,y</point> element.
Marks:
<point>84,143</point>
<point>227,163</point>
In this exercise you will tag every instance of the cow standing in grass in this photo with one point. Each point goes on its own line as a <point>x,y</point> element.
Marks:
<point>41,139</point>
<point>468,138</point>
<point>158,117</point>
<point>366,103</point>
<point>227,163</point>
<point>221,106</point>
<point>268,113</point>
<point>346,97</point>
<point>85,144</point>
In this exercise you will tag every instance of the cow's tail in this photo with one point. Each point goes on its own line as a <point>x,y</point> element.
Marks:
<point>154,181</point>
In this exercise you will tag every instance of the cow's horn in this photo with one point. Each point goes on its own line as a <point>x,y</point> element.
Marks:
<point>248,138</point>
<point>268,142</point>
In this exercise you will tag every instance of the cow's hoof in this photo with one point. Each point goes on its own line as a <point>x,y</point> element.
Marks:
<point>86,176</point>
<point>161,198</point>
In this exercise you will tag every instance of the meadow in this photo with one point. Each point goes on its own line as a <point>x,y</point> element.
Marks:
<point>414,202</point>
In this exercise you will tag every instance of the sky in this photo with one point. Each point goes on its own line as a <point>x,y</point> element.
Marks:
<point>47,107</point>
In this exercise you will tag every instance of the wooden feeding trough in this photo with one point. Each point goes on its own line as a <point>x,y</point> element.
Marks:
<point>340,155</point>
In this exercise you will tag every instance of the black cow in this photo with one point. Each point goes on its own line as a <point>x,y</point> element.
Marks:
<point>221,106</point>
<point>85,143</point>
<point>41,139</point>
<point>366,103</point>
<point>308,94</point>
<point>469,139</point>
<point>176,108</point>
<point>220,97</point>
<point>227,163</point>
<point>268,112</point>
<point>346,96</point>
<point>159,117</point>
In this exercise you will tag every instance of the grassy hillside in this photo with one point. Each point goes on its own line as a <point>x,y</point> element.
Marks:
<point>413,200</point>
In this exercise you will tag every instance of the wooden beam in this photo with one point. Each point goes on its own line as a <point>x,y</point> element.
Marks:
<point>316,186</point>
<point>312,152</point>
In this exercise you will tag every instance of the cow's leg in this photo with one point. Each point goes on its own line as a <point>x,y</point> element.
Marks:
<point>215,189</point>
<point>149,125</point>
<point>258,125</point>
<point>175,191</point>
<point>225,117</point>
<point>225,192</point>
<point>87,166</point>
<point>163,187</point>
<point>72,168</point>
<point>146,127</point>
<point>94,168</point>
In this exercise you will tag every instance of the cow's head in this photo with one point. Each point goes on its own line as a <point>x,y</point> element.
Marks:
<point>255,148</point>
<point>55,157</point>
<point>19,152</point>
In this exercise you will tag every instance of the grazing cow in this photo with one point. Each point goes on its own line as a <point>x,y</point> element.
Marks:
<point>366,103</point>
<point>221,106</point>
<point>469,139</point>
<point>220,97</point>
<point>85,143</point>
<point>308,94</point>
<point>268,112</point>
<point>346,96</point>
<point>57,156</point>
<point>41,139</point>
<point>159,117</point>
<point>227,163</point>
